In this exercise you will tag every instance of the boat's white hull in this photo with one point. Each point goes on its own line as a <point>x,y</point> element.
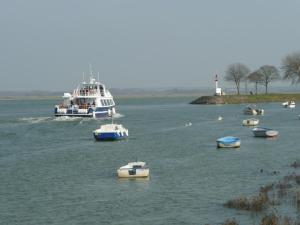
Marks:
<point>98,112</point>
<point>265,133</point>
<point>289,105</point>
<point>236,144</point>
<point>250,122</point>
<point>250,112</point>
<point>254,112</point>
<point>133,173</point>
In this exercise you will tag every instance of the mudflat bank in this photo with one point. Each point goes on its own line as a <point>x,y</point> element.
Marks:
<point>238,99</point>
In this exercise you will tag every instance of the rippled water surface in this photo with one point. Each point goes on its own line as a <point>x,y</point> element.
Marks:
<point>53,172</point>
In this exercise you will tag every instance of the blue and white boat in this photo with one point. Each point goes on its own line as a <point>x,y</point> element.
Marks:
<point>90,99</point>
<point>110,132</point>
<point>264,132</point>
<point>228,142</point>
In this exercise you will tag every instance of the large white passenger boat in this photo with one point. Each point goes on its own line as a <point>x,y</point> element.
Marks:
<point>90,99</point>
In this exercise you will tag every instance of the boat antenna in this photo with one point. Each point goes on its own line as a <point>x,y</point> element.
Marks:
<point>91,70</point>
<point>98,77</point>
<point>83,77</point>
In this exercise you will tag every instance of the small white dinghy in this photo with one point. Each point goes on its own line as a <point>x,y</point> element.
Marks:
<point>289,104</point>
<point>253,110</point>
<point>251,122</point>
<point>133,170</point>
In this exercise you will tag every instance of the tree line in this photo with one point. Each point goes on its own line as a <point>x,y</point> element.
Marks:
<point>264,75</point>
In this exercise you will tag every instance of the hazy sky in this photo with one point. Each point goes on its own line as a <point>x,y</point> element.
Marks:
<point>47,45</point>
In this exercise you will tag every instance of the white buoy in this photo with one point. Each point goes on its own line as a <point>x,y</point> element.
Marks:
<point>220,118</point>
<point>188,124</point>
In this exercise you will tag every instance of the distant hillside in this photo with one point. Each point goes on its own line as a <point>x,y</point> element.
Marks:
<point>116,92</point>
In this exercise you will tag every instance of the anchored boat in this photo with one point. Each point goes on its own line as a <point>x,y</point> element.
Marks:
<point>250,122</point>
<point>110,132</point>
<point>253,110</point>
<point>289,104</point>
<point>133,170</point>
<point>228,142</point>
<point>264,132</point>
<point>90,99</point>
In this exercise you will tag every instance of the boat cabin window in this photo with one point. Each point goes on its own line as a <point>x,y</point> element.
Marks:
<point>101,90</point>
<point>83,102</point>
<point>137,167</point>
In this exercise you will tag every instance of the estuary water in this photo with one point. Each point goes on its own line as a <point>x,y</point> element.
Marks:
<point>53,172</point>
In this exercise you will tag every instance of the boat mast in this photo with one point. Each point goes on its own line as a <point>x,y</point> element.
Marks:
<point>91,70</point>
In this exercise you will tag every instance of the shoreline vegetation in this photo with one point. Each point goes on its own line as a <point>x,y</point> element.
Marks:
<point>265,205</point>
<point>240,99</point>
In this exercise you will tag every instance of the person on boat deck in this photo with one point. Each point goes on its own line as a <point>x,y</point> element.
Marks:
<point>93,103</point>
<point>72,102</point>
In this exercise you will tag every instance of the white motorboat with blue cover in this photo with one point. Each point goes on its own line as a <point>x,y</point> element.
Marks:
<point>133,170</point>
<point>90,99</point>
<point>228,142</point>
<point>110,132</point>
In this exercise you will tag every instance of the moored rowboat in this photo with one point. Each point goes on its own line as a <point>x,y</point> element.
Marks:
<point>228,142</point>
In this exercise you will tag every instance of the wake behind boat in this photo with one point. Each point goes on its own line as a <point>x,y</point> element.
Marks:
<point>90,99</point>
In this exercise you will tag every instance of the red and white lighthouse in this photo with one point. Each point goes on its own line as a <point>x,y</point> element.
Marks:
<point>218,90</point>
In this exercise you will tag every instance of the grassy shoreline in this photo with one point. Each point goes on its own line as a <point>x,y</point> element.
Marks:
<point>239,99</point>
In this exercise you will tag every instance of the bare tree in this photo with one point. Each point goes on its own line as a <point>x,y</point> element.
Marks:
<point>291,67</point>
<point>236,73</point>
<point>268,74</point>
<point>255,78</point>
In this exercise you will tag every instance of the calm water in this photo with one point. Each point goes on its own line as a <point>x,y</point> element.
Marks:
<point>53,172</point>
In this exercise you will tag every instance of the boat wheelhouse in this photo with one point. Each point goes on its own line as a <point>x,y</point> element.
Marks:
<point>90,99</point>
